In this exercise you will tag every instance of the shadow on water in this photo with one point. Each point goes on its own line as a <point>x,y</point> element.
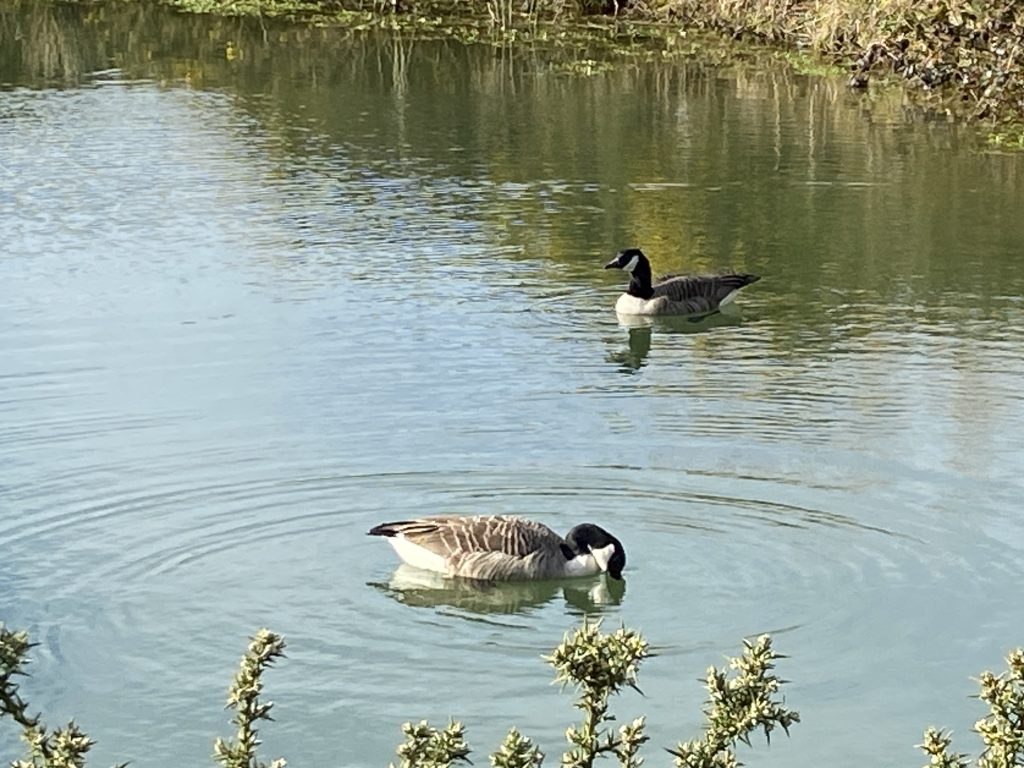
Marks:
<point>423,589</point>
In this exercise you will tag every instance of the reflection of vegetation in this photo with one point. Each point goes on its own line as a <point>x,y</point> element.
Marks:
<point>43,41</point>
<point>840,201</point>
<point>634,155</point>
<point>963,57</point>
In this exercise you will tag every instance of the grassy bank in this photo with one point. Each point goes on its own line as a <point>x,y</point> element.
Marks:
<point>965,59</point>
<point>961,60</point>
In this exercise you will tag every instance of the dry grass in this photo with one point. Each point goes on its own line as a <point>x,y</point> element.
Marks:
<point>966,58</point>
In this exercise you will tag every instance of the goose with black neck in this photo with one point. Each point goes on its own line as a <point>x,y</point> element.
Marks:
<point>673,294</point>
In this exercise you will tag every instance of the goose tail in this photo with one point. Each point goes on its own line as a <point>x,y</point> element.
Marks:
<point>388,529</point>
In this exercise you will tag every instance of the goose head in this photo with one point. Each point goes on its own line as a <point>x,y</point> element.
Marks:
<point>633,261</point>
<point>628,260</point>
<point>593,540</point>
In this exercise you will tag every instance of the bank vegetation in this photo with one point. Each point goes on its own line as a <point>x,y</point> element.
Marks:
<point>743,699</point>
<point>962,59</point>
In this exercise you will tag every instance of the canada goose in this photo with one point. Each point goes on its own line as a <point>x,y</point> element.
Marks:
<point>499,548</point>
<point>672,294</point>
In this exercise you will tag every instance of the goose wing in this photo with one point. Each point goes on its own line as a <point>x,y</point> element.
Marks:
<point>695,294</point>
<point>454,536</point>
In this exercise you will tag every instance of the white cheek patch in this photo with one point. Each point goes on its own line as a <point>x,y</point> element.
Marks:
<point>603,555</point>
<point>632,264</point>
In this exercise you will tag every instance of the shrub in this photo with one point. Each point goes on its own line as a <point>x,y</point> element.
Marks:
<point>597,665</point>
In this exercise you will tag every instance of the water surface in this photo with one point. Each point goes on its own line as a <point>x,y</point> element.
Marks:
<point>264,288</point>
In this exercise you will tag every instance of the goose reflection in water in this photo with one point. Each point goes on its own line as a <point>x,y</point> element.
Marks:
<point>423,589</point>
<point>640,330</point>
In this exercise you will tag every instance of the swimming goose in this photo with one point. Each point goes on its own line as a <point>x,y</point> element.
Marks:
<point>497,548</point>
<point>672,294</point>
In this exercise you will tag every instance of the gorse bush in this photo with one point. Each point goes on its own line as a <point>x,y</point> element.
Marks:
<point>1001,730</point>
<point>597,665</point>
<point>65,747</point>
<point>244,698</point>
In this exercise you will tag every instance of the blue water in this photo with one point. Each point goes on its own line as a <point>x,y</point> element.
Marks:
<point>252,307</point>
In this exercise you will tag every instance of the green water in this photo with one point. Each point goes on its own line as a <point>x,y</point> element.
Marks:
<point>263,288</point>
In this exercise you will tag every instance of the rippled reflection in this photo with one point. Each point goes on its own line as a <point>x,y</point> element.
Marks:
<point>417,588</point>
<point>728,315</point>
<point>640,332</point>
<point>634,356</point>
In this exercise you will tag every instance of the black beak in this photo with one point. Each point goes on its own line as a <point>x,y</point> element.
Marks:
<point>613,264</point>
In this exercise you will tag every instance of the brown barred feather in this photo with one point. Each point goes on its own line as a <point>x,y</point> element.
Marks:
<point>485,547</point>
<point>447,535</point>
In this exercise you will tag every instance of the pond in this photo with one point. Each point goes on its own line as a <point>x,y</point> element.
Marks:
<point>265,287</point>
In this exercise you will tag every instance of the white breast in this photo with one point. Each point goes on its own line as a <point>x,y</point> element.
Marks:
<point>632,305</point>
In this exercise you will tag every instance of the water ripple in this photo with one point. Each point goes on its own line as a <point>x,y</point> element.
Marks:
<point>245,323</point>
